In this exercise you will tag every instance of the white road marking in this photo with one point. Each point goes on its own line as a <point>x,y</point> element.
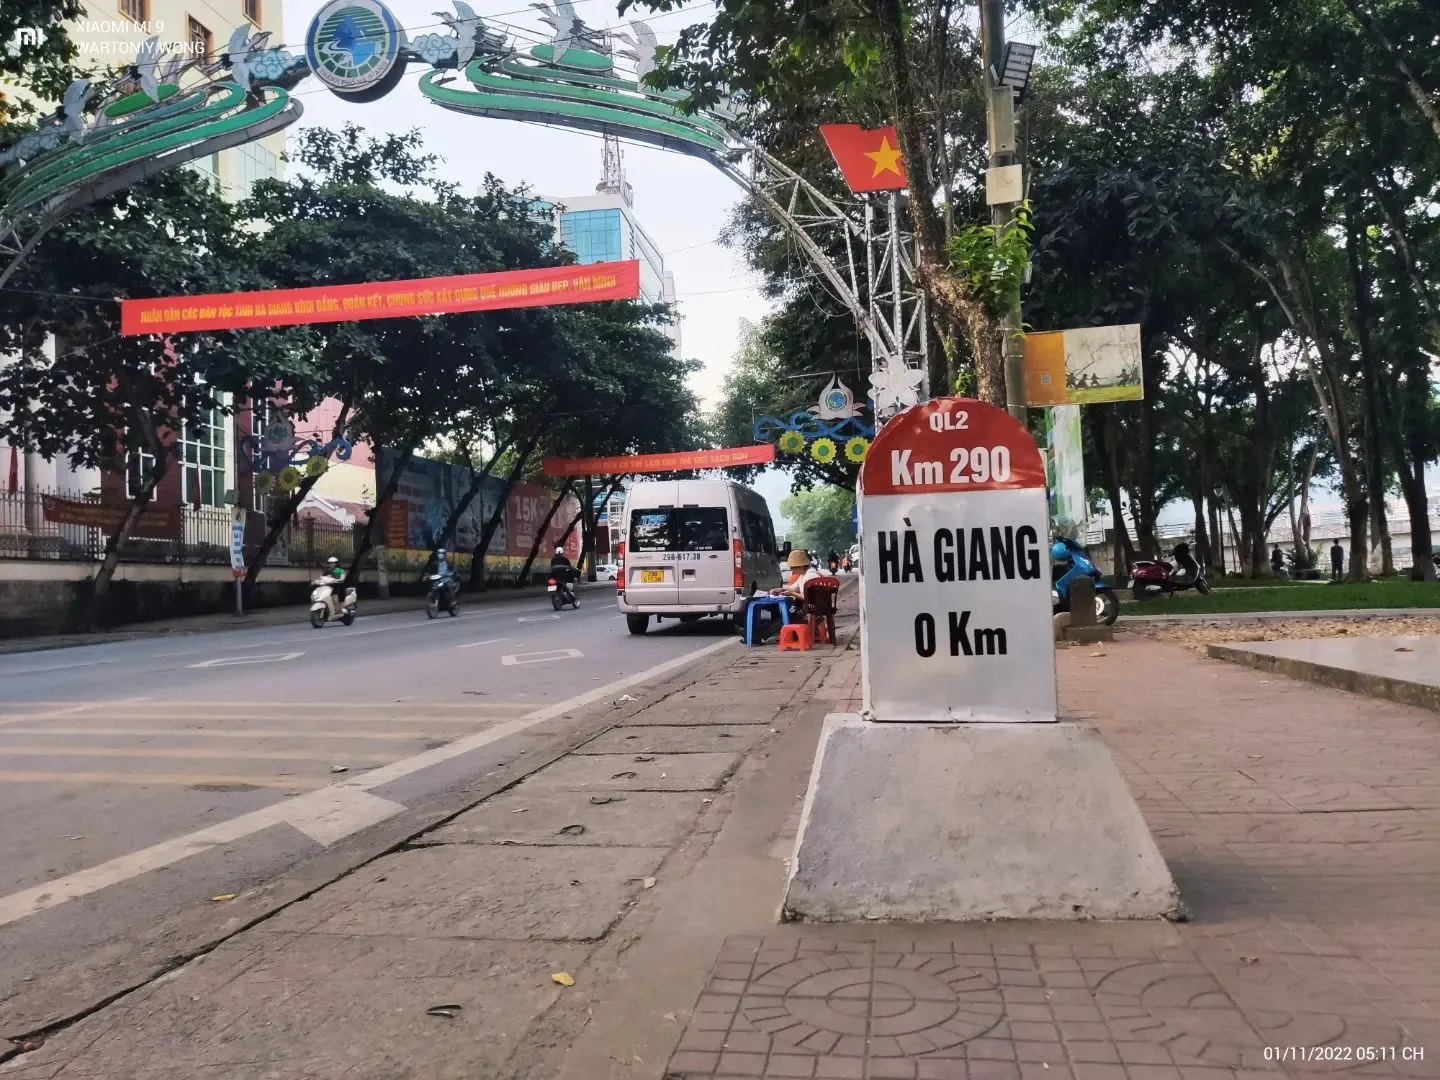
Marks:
<point>56,667</point>
<point>73,710</point>
<point>202,733</point>
<point>326,816</point>
<point>521,659</point>
<point>476,644</point>
<point>236,661</point>
<point>537,618</point>
<point>210,752</point>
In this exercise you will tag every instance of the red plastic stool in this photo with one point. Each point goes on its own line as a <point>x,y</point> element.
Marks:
<point>796,637</point>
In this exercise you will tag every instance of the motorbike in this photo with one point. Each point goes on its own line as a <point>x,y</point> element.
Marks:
<point>326,603</point>
<point>561,587</point>
<point>1150,578</point>
<point>441,596</point>
<point>1073,562</point>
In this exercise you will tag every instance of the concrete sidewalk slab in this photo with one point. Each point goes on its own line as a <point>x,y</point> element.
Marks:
<point>626,772</point>
<point>567,818</point>
<point>1403,669</point>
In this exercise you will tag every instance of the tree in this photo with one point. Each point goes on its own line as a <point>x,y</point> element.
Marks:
<point>403,382</point>
<point>120,403</point>
<point>782,56</point>
<point>43,68</point>
<point>822,519</point>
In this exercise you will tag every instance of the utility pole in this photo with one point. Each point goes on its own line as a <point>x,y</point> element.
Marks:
<point>1001,183</point>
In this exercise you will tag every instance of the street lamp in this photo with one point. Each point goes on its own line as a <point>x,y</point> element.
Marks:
<point>1015,64</point>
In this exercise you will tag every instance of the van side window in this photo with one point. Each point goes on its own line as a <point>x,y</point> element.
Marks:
<point>749,533</point>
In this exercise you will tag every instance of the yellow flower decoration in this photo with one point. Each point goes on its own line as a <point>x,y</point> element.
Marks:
<point>316,466</point>
<point>264,483</point>
<point>289,478</point>
<point>856,448</point>
<point>823,451</point>
<point>791,442</point>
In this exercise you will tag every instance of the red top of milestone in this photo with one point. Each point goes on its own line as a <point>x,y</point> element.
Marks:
<point>951,445</point>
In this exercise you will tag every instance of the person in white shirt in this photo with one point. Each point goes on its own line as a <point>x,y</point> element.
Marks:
<point>801,574</point>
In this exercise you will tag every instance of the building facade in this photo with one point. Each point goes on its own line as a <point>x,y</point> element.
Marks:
<point>604,228</point>
<point>110,36</point>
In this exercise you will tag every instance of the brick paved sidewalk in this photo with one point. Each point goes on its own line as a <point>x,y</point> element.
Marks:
<point>1303,829</point>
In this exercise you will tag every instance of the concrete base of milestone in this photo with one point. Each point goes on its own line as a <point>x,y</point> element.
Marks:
<point>952,822</point>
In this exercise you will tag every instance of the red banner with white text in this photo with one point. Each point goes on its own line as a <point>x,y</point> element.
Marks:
<point>625,465</point>
<point>382,299</point>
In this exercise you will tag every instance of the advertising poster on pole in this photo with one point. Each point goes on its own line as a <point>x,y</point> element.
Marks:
<point>1065,470</point>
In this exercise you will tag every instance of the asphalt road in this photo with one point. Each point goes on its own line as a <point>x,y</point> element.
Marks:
<point>142,776</point>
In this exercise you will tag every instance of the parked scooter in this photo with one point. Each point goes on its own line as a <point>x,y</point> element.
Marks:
<point>561,587</point>
<point>326,602</point>
<point>1075,562</point>
<point>442,596</point>
<point>1150,578</point>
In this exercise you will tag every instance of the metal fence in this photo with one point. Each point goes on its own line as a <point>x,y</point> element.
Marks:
<point>197,536</point>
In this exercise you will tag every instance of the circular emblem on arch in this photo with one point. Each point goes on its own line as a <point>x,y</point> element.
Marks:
<point>354,47</point>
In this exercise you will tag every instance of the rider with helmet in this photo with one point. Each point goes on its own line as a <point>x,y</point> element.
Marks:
<point>444,573</point>
<point>563,570</point>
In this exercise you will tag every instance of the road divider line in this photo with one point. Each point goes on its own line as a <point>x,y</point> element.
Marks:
<point>55,667</point>
<point>239,661</point>
<point>325,816</point>
<point>182,733</point>
<point>204,753</point>
<point>168,779</point>
<point>521,659</point>
<point>52,713</point>
<point>477,644</point>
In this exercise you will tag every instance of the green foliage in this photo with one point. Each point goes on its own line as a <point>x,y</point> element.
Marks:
<point>43,70</point>
<point>821,519</point>
<point>993,258</point>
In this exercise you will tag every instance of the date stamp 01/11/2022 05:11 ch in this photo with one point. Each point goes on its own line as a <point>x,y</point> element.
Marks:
<point>1356,1054</point>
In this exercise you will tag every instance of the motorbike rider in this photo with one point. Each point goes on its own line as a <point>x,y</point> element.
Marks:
<point>1186,568</point>
<point>334,576</point>
<point>563,570</point>
<point>444,573</point>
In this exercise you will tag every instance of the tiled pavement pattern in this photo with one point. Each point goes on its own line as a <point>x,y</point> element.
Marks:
<point>1303,829</point>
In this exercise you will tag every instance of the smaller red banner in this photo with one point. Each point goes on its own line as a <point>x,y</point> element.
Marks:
<point>760,454</point>
<point>383,299</point>
<point>869,160</point>
<point>153,521</point>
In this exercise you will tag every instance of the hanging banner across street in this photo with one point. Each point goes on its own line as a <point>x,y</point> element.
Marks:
<point>955,569</point>
<point>683,461</point>
<point>383,299</point>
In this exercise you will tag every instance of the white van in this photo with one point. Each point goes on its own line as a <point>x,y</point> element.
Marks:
<point>694,548</point>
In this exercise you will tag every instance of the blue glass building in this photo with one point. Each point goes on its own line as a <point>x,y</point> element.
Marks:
<point>603,228</point>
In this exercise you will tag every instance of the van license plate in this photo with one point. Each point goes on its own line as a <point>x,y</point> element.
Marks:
<point>652,577</point>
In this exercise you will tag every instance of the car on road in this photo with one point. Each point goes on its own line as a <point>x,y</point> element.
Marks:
<point>607,571</point>
<point>694,548</point>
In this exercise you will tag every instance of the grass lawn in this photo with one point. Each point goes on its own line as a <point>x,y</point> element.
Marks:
<point>1290,596</point>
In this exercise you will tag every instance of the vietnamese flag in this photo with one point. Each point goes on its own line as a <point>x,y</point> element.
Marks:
<point>869,160</point>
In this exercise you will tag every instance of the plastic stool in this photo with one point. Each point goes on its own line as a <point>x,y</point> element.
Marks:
<point>796,637</point>
<point>757,605</point>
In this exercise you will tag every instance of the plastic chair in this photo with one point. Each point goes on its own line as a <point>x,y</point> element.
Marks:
<point>757,605</point>
<point>820,600</point>
<point>796,637</point>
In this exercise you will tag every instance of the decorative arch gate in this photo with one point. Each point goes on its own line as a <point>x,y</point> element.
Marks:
<point>165,117</point>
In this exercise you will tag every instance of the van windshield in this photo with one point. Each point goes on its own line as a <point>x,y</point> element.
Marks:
<point>687,528</point>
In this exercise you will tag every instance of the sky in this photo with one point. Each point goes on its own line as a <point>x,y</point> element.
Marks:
<point>682,202</point>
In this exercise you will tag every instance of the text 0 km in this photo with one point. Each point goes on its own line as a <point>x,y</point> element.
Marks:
<point>968,465</point>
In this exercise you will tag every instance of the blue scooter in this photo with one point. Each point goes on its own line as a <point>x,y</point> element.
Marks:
<point>1071,557</point>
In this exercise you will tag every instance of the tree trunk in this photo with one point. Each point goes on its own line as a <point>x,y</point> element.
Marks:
<point>282,517</point>
<point>1302,520</point>
<point>1218,533</point>
<point>1357,258</point>
<point>1109,454</point>
<point>1202,532</point>
<point>477,482</point>
<point>138,502</point>
<point>477,560</point>
<point>540,534</point>
<point>367,538</point>
<point>1417,502</point>
<point>948,293</point>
